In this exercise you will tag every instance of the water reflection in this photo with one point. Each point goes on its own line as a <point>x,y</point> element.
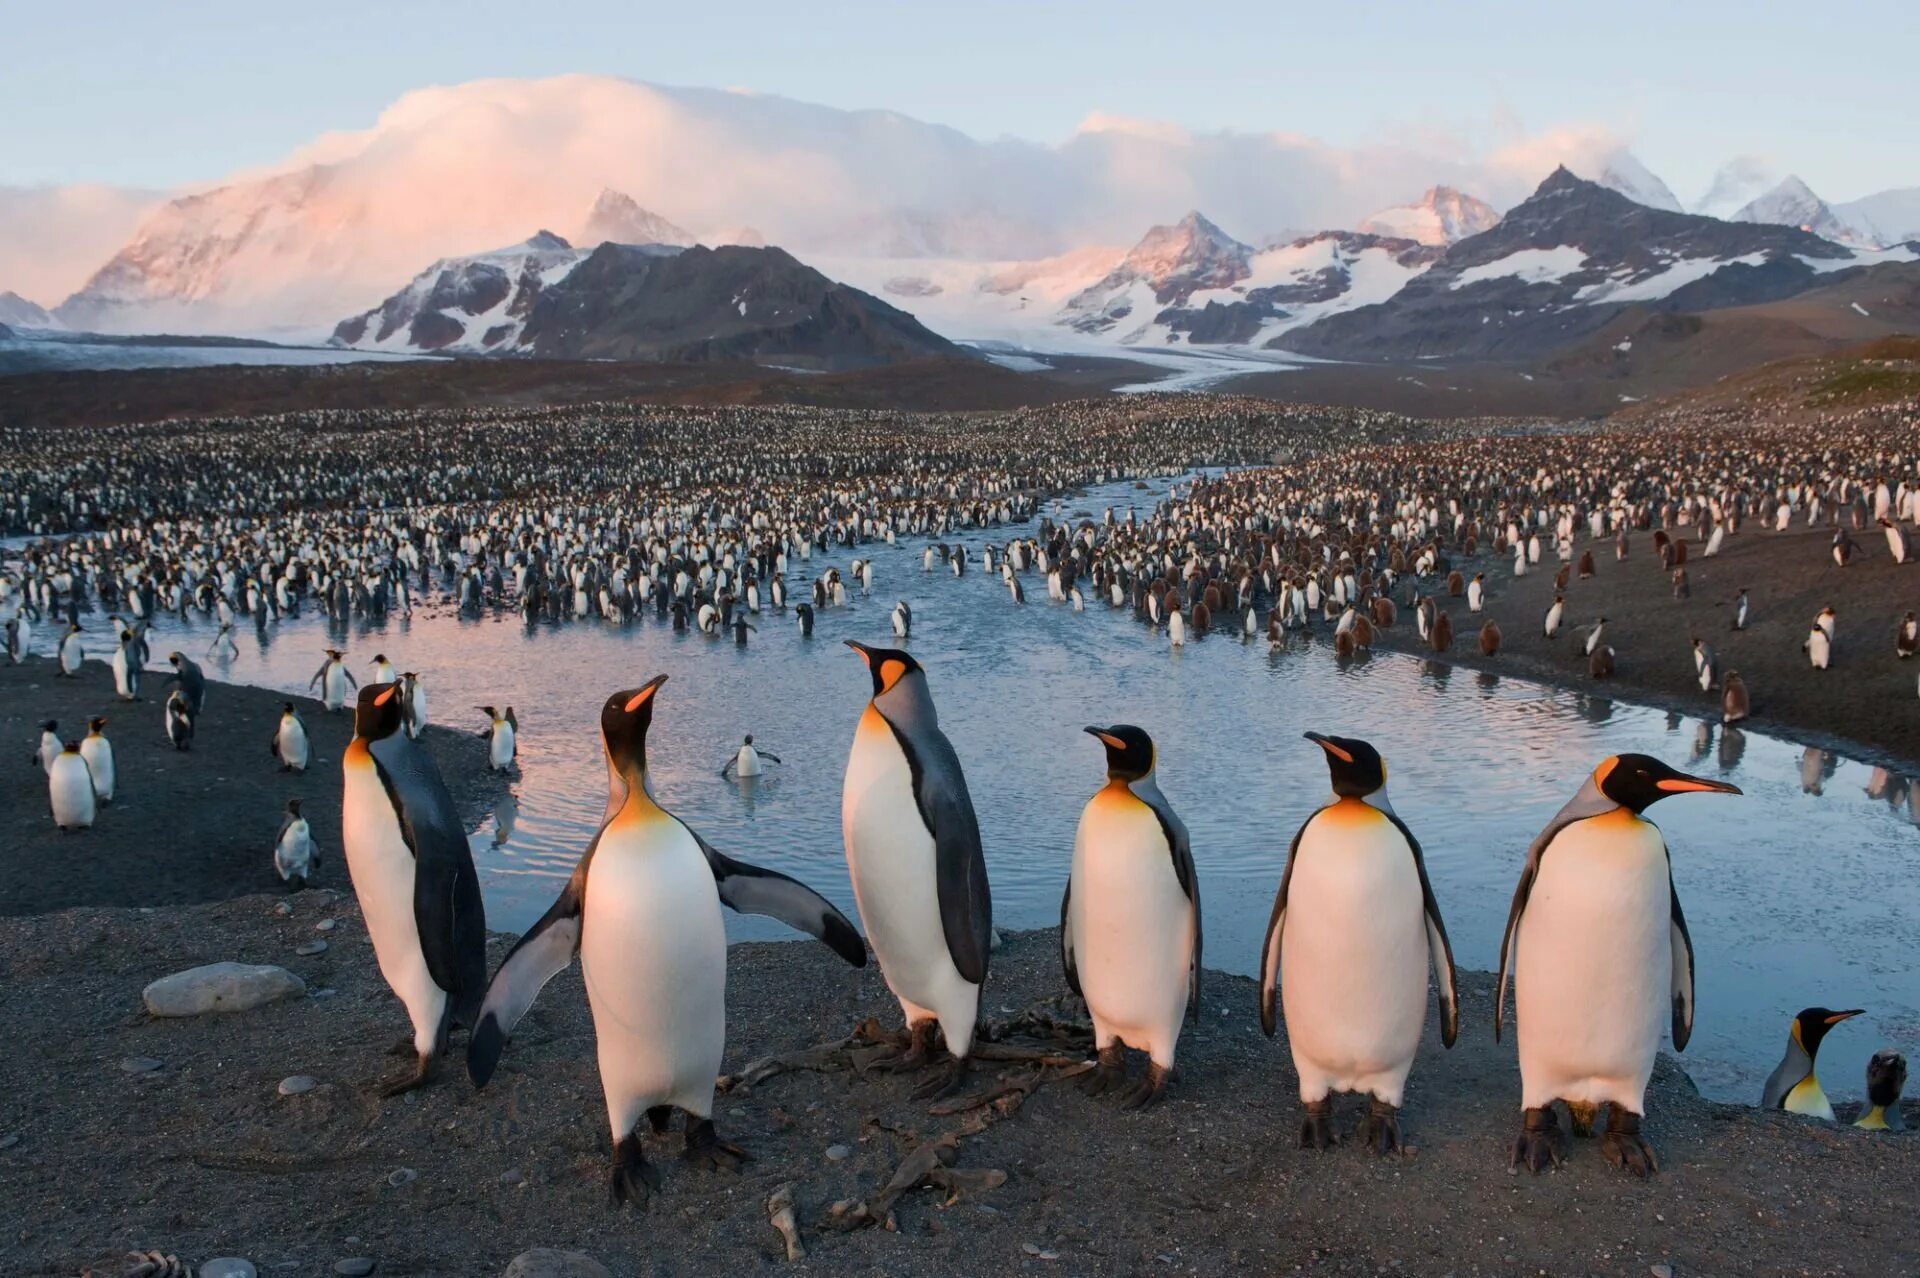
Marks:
<point>1733,746</point>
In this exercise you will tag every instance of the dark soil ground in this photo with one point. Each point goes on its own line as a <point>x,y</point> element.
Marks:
<point>197,825</point>
<point>202,1157</point>
<point>1866,706</point>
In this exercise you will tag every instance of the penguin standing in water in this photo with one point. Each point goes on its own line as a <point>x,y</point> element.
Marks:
<point>1600,957</point>
<point>902,620</point>
<point>745,762</point>
<point>334,679</point>
<point>1353,927</point>
<point>1886,1079</point>
<point>1793,1085</point>
<point>1130,919</point>
<point>913,853</point>
<point>803,614</point>
<point>289,744</point>
<point>503,738</point>
<point>413,874</point>
<point>413,704</point>
<point>98,753</point>
<point>642,913</point>
<point>70,789</point>
<point>294,856</point>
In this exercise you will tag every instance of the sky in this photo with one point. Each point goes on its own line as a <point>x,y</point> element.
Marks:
<point>164,95</point>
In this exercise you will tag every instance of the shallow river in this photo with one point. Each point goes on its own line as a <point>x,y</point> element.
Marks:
<point>1800,893</point>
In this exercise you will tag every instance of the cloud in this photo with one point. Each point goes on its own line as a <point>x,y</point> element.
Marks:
<point>51,238</point>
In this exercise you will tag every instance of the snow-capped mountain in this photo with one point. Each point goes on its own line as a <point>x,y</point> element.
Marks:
<point>616,217</point>
<point>646,302</point>
<point>1622,171</point>
<point>1793,203</point>
<point>1894,215</point>
<point>470,304</point>
<point>17,312</point>
<point>1441,216</point>
<point>1566,261</point>
<point>1167,266</point>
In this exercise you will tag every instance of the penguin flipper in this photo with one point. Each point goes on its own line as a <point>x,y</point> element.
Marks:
<point>1682,969</point>
<point>1067,963</point>
<point>1437,942</point>
<point>1181,848</point>
<point>448,913</point>
<point>1276,925</point>
<point>960,868</point>
<point>749,889</point>
<point>547,949</point>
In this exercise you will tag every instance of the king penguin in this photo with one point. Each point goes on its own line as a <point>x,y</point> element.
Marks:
<point>1886,1079</point>
<point>98,753</point>
<point>294,856</point>
<point>334,679</point>
<point>1348,947</point>
<point>502,735</point>
<point>1130,919</point>
<point>70,789</point>
<point>913,853</point>
<point>413,874</point>
<point>1600,957</point>
<point>1794,1085</point>
<point>642,913</point>
<point>289,744</point>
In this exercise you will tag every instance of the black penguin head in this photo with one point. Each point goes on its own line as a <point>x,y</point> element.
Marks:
<point>1886,1078</point>
<point>378,657</point>
<point>624,721</point>
<point>286,707</point>
<point>1813,1023</point>
<point>1637,781</point>
<point>71,747</point>
<point>888,666</point>
<point>377,714</point>
<point>96,724</point>
<point>51,725</point>
<point>749,738</point>
<point>293,807</point>
<point>175,658</point>
<point>1356,767</point>
<point>1130,751</point>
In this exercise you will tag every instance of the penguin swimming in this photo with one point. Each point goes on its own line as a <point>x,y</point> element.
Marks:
<point>642,913</point>
<point>98,753</point>
<point>334,679</point>
<point>289,744</point>
<point>70,789</point>
<point>294,856</point>
<point>413,875</point>
<point>913,853</point>
<point>745,762</point>
<point>1348,946</point>
<point>179,720</point>
<point>1600,956</point>
<point>1130,935</point>
<point>502,735</point>
<point>1794,1085</point>
<point>1886,1079</point>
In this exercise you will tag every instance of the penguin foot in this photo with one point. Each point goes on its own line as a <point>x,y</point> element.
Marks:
<point>1109,1075</point>
<point>1148,1093</point>
<point>950,1080</point>
<point>1316,1126</point>
<point>1380,1129</point>
<point>634,1179</point>
<point>1540,1141</point>
<point>706,1149</point>
<point>1625,1147</point>
<point>1582,1114</point>
<point>423,1071</point>
<point>917,1054</point>
<point>402,1047</point>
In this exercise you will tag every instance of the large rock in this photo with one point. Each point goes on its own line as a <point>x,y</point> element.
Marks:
<point>546,1262</point>
<point>220,987</point>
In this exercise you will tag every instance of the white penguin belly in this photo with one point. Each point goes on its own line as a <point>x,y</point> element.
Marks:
<point>70,789</point>
<point>1353,955</point>
<point>98,756</point>
<point>381,867</point>
<point>1594,963</point>
<point>500,750</point>
<point>747,762</point>
<point>293,746</point>
<point>653,950</point>
<point>333,688</point>
<point>1132,925</point>
<point>890,859</point>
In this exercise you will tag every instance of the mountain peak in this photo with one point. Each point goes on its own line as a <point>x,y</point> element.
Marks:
<point>545,239</point>
<point>618,217</point>
<point>1442,216</point>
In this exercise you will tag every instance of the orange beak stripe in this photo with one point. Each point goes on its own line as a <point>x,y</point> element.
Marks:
<point>1680,785</point>
<point>1113,741</point>
<point>1336,751</point>
<point>640,698</point>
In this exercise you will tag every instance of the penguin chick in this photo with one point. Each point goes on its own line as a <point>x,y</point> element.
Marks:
<point>1886,1079</point>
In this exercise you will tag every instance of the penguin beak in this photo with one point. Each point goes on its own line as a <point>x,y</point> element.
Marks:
<point>1107,738</point>
<point>1682,784</point>
<point>1326,743</point>
<point>645,693</point>
<point>1837,1017</point>
<point>866,653</point>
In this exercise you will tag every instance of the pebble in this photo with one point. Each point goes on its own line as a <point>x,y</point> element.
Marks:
<point>402,1176</point>
<point>328,992</point>
<point>836,1153</point>
<point>548,1262</point>
<point>325,925</point>
<point>140,1064</point>
<point>9,1140</point>
<point>228,1267</point>
<point>298,1084</point>
<point>220,987</point>
<point>1038,1253</point>
<point>307,949</point>
<point>282,909</point>
<point>1662,1271</point>
<point>354,1266</point>
<point>512,1176</point>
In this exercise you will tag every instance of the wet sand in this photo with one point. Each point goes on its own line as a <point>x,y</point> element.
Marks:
<point>1866,706</point>
<point>202,1157</point>
<point>184,826</point>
